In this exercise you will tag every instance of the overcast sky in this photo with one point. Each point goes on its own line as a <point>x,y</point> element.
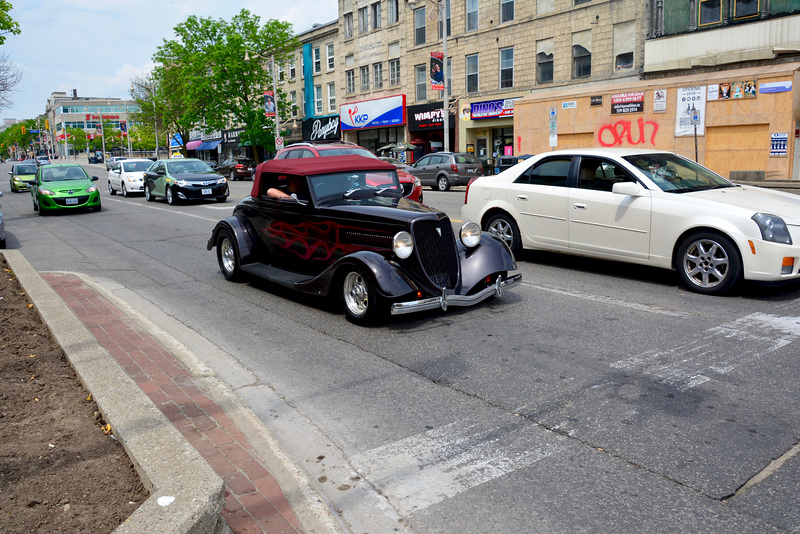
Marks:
<point>97,46</point>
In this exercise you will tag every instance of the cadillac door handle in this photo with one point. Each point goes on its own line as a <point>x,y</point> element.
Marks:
<point>579,206</point>
<point>522,197</point>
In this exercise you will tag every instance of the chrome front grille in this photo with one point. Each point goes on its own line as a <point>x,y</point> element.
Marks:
<point>437,252</point>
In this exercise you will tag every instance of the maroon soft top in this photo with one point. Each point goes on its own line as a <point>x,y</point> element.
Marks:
<point>320,165</point>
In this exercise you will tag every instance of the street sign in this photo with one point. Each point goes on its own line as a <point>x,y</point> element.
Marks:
<point>278,143</point>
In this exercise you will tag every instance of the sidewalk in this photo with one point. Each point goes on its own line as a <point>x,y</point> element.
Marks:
<point>254,501</point>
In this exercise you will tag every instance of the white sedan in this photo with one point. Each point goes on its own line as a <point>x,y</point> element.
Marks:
<point>126,176</point>
<point>646,207</point>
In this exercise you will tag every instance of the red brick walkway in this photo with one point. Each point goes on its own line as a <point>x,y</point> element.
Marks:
<point>254,501</point>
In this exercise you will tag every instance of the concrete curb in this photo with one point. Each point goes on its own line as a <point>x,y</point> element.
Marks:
<point>186,495</point>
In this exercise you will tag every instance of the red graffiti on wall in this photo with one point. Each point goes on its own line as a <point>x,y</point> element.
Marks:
<point>622,131</point>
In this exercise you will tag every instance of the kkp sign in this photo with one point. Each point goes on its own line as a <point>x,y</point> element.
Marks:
<point>378,113</point>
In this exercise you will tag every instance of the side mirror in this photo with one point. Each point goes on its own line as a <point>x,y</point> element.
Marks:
<point>626,188</point>
<point>95,178</point>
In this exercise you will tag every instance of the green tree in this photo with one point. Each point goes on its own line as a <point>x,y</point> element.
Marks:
<point>7,24</point>
<point>203,73</point>
<point>77,139</point>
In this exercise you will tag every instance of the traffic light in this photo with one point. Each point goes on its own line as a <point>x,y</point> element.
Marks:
<point>46,124</point>
<point>23,130</point>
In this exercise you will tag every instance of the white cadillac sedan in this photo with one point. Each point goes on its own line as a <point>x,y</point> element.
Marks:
<point>647,207</point>
<point>127,176</point>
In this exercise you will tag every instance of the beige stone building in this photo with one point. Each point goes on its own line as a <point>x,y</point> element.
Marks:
<point>526,77</point>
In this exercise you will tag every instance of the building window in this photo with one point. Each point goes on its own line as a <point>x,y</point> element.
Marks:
<point>329,52</point>
<point>377,75</point>
<point>624,42</point>
<point>350,81</point>
<point>419,26</point>
<point>710,12</point>
<point>292,70</point>
<point>421,80</point>
<point>582,54</point>
<point>331,97</point>
<point>472,73</point>
<point>394,72</point>
<point>581,62</point>
<point>472,15</point>
<point>578,2</point>
<point>506,10</point>
<point>544,61</point>
<point>293,100</point>
<point>365,78</point>
<point>318,100</point>
<point>746,8</point>
<point>280,72</point>
<point>393,11</point>
<point>363,20</point>
<point>506,68</point>
<point>317,60</point>
<point>348,25</point>
<point>376,15</point>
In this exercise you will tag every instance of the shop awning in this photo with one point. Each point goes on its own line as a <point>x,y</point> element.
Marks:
<point>209,145</point>
<point>192,145</point>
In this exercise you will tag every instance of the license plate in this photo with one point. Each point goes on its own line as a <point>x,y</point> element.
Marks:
<point>471,170</point>
<point>71,201</point>
<point>206,191</point>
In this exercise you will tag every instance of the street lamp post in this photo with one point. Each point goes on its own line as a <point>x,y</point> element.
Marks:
<point>274,89</point>
<point>412,4</point>
<point>152,92</point>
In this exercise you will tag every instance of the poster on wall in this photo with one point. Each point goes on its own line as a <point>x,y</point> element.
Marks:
<point>779,144</point>
<point>627,102</point>
<point>660,101</point>
<point>691,102</point>
<point>713,92</point>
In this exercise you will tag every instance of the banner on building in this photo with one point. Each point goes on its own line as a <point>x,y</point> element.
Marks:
<point>437,71</point>
<point>492,109</point>
<point>377,113</point>
<point>269,104</point>
<point>322,128</point>
<point>627,102</point>
<point>691,103</point>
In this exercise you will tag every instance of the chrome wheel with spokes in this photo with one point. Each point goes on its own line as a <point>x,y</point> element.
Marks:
<point>504,227</point>
<point>359,299</point>
<point>709,263</point>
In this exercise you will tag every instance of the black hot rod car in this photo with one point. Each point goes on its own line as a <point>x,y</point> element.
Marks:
<point>344,228</point>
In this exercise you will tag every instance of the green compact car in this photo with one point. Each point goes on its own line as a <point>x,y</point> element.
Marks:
<point>64,186</point>
<point>22,176</point>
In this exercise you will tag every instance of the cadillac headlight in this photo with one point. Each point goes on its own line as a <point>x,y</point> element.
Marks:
<point>773,228</point>
<point>403,245</point>
<point>470,234</point>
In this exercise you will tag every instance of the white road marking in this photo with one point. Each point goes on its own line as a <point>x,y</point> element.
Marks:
<point>719,351</point>
<point>610,300</point>
<point>417,472</point>
<point>157,208</point>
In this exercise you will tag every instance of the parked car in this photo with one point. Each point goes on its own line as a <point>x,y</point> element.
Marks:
<point>2,228</point>
<point>43,160</point>
<point>112,160</point>
<point>349,232</point>
<point>127,176</point>
<point>22,176</point>
<point>237,168</point>
<point>184,179</point>
<point>442,170</point>
<point>412,188</point>
<point>64,186</point>
<point>644,207</point>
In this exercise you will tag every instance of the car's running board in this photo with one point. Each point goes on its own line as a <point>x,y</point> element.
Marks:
<point>275,275</point>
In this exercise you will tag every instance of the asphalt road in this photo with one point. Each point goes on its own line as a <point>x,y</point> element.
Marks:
<point>596,397</point>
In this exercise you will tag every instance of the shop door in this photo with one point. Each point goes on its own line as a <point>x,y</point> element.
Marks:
<point>482,153</point>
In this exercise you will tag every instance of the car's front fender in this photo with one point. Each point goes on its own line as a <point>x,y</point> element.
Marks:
<point>242,231</point>
<point>387,276</point>
<point>491,256</point>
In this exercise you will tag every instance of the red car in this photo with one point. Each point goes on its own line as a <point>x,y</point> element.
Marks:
<point>412,187</point>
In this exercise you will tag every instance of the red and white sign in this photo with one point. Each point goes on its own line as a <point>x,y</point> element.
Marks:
<point>278,143</point>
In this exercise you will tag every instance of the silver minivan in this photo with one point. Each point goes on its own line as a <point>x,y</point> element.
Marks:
<point>441,170</point>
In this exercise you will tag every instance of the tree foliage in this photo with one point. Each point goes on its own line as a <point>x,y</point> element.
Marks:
<point>203,81</point>
<point>7,24</point>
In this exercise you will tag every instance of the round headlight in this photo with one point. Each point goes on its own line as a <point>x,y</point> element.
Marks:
<point>470,234</point>
<point>403,245</point>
